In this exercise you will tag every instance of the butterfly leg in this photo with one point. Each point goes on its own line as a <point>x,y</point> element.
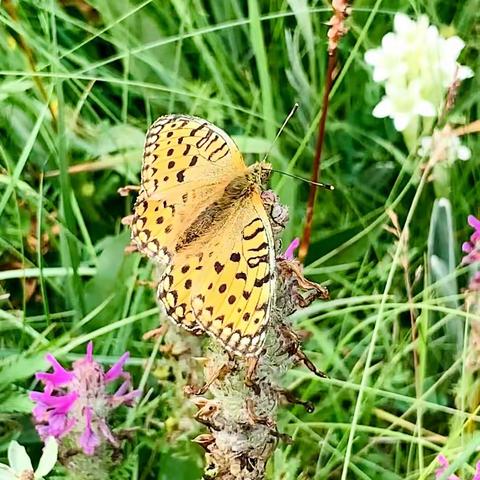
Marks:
<point>309,364</point>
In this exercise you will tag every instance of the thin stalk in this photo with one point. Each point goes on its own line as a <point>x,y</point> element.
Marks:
<point>307,229</point>
<point>337,29</point>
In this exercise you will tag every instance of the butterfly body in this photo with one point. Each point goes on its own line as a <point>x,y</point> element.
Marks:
<point>199,211</point>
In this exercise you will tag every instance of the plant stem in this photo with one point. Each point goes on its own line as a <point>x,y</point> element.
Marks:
<point>307,229</point>
<point>341,10</point>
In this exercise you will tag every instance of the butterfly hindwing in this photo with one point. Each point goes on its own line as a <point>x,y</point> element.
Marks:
<point>227,289</point>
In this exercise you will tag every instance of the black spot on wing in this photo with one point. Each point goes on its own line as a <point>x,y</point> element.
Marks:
<point>235,257</point>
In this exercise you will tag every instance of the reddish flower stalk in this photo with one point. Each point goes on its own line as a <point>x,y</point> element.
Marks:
<point>336,31</point>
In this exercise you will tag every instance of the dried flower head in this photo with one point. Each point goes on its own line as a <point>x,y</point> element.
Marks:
<point>76,403</point>
<point>417,66</point>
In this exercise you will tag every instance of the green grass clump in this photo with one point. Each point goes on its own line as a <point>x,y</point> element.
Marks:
<point>80,82</point>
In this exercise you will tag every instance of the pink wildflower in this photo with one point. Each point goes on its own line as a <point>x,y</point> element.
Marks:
<point>472,250</point>
<point>76,402</point>
<point>472,247</point>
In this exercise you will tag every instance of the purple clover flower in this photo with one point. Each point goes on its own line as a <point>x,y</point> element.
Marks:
<point>290,251</point>
<point>77,403</point>
<point>442,460</point>
<point>472,250</point>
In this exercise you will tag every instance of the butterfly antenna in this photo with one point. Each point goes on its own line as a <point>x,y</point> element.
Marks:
<point>289,116</point>
<point>284,124</point>
<point>327,186</point>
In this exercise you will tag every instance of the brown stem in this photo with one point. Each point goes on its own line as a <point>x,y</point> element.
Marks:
<point>341,10</point>
<point>307,229</point>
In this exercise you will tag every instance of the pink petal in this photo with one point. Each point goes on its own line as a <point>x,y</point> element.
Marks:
<point>60,425</point>
<point>121,397</point>
<point>117,369</point>
<point>477,472</point>
<point>89,439</point>
<point>290,251</point>
<point>59,377</point>
<point>57,427</point>
<point>467,247</point>
<point>442,460</point>
<point>89,354</point>
<point>474,222</point>
<point>60,404</point>
<point>106,432</point>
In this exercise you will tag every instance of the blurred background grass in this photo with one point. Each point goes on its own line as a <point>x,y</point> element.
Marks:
<point>80,81</point>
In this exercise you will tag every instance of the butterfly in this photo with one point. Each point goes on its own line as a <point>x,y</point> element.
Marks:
<point>199,212</point>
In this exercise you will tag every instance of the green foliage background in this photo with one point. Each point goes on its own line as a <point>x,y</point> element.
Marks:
<point>107,70</point>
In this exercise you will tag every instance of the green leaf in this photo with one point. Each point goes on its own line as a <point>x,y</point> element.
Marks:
<point>441,255</point>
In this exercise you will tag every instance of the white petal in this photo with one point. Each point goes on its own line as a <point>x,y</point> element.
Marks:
<point>383,108</point>
<point>425,146</point>
<point>464,72</point>
<point>464,153</point>
<point>402,23</point>
<point>380,74</point>
<point>18,458</point>
<point>401,121</point>
<point>433,36</point>
<point>48,459</point>
<point>390,43</point>
<point>373,56</point>
<point>425,109</point>
<point>6,473</point>
<point>452,47</point>
<point>423,23</point>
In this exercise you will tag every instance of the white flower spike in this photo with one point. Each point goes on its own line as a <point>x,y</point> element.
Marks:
<point>417,66</point>
<point>21,466</point>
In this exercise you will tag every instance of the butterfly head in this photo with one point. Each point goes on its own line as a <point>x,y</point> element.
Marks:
<point>260,172</point>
